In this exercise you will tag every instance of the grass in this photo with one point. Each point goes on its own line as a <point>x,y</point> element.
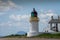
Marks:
<point>45,35</point>
<point>48,35</point>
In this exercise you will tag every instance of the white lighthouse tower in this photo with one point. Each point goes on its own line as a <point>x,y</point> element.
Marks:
<point>34,30</point>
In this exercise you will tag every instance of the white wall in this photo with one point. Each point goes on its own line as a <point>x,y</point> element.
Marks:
<point>34,27</point>
<point>59,26</point>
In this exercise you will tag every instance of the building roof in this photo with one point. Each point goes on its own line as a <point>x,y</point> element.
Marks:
<point>54,21</point>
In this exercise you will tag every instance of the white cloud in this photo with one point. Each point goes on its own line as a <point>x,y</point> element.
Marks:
<point>19,17</point>
<point>15,17</point>
<point>15,23</point>
<point>45,18</point>
<point>10,24</point>
<point>48,13</point>
<point>51,13</point>
<point>5,24</point>
<point>5,6</point>
<point>15,20</point>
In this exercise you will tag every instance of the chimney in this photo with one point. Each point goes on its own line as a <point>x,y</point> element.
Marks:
<point>58,17</point>
<point>52,17</point>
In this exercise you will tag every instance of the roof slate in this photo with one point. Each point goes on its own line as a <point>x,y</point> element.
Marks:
<point>54,21</point>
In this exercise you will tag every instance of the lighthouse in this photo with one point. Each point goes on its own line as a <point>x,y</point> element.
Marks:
<point>34,21</point>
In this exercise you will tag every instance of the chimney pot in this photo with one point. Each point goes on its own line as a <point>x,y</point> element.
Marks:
<point>59,17</point>
<point>51,17</point>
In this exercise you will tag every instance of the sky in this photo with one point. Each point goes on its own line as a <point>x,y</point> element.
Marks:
<point>15,14</point>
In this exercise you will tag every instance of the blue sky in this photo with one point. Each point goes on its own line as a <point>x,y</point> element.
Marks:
<point>15,14</point>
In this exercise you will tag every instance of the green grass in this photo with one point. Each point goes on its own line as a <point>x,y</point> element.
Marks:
<point>45,35</point>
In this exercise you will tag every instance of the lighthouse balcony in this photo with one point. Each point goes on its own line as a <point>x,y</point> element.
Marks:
<point>34,19</point>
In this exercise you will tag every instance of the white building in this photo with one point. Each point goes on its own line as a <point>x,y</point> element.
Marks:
<point>34,30</point>
<point>55,24</point>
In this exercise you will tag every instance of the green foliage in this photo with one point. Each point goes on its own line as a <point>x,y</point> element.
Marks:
<point>48,35</point>
<point>16,35</point>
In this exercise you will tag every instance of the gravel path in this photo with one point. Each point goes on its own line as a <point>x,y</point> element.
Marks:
<point>27,39</point>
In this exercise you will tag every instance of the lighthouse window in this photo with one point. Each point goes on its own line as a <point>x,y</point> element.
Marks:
<point>32,14</point>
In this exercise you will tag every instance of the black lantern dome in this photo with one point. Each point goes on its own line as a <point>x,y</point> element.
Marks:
<point>34,13</point>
